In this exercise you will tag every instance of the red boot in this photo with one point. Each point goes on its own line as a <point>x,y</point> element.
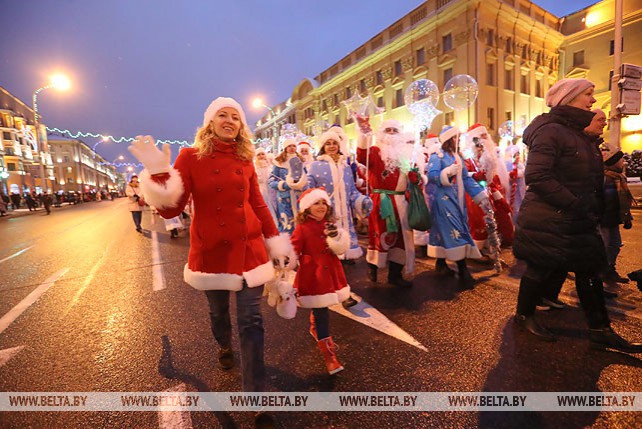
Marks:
<point>313,329</point>
<point>327,347</point>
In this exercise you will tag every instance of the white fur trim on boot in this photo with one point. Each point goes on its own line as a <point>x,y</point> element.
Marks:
<point>165,195</point>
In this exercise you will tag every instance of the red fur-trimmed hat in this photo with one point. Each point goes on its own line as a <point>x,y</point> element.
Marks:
<point>476,130</point>
<point>311,196</point>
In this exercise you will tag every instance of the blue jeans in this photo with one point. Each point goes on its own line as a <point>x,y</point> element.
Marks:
<point>250,324</point>
<point>138,217</point>
<point>612,242</point>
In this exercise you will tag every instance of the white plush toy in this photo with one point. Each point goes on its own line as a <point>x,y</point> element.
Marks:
<point>281,294</point>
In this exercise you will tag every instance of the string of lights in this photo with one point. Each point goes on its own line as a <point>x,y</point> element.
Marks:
<point>106,137</point>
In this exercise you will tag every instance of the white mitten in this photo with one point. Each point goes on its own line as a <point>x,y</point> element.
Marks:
<point>453,169</point>
<point>155,161</point>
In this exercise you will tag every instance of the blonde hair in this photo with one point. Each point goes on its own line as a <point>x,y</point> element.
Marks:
<point>205,136</point>
<point>329,216</point>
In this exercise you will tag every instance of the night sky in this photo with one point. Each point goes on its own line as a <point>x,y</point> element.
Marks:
<point>153,66</point>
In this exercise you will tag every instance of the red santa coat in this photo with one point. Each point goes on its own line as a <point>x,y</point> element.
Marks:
<point>320,280</point>
<point>230,219</point>
<point>503,212</point>
<point>384,245</point>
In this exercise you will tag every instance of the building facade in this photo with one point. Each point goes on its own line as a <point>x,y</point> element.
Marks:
<point>513,48</point>
<point>78,168</point>
<point>19,155</point>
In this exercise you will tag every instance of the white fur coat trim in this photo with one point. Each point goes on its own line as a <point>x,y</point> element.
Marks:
<point>280,246</point>
<point>325,300</point>
<point>226,281</point>
<point>164,195</point>
<point>339,244</point>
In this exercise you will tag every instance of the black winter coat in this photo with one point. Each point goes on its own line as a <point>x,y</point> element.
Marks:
<point>557,226</point>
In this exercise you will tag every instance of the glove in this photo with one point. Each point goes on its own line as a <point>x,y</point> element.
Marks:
<point>144,150</point>
<point>331,230</point>
<point>479,176</point>
<point>453,169</point>
<point>414,177</point>
<point>364,123</point>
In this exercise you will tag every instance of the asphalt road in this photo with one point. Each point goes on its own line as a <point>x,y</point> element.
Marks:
<point>119,318</point>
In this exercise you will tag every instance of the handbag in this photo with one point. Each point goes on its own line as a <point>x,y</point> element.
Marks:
<point>418,214</point>
<point>141,201</point>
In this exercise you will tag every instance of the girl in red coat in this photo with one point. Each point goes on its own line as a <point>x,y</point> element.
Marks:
<point>320,280</point>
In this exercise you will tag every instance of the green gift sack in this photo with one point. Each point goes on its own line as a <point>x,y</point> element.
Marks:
<point>418,213</point>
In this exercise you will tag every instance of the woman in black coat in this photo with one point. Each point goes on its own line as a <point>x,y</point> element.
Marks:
<point>557,227</point>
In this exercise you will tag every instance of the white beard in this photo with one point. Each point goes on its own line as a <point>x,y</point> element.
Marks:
<point>395,153</point>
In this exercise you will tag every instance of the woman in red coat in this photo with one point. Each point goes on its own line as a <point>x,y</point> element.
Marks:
<point>320,281</point>
<point>233,236</point>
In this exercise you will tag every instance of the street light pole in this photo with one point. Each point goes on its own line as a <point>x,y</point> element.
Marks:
<point>41,148</point>
<point>616,117</point>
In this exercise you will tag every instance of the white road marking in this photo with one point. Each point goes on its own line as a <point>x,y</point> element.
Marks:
<point>16,311</point>
<point>15,254</point>
<point>175,419</point>
<point>7,354</point>
<point>370,316</point>
<point>157,269</point>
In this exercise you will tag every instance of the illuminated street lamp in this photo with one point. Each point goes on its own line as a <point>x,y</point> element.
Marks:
<point>58,81</point>
<point>257,103</point>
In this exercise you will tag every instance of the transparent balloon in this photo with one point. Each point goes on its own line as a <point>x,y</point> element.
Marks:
<point>506,130</point>
<point>420,93</point>
<point>460,92</point>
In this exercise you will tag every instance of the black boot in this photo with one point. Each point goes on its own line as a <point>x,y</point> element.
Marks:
<point>465,278</point>
<point>606,338</point>
<point>226,358</point>
<point>372,272</point>
<point>530,324</point>
<point>441,267</point>
<point>395,277</point>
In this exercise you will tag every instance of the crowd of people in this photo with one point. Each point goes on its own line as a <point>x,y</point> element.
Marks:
<point>557,199</point>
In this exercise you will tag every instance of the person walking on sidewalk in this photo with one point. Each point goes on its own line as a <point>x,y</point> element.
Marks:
<point>320,281</point>
<point>134,194</point>
<point>557,228</point>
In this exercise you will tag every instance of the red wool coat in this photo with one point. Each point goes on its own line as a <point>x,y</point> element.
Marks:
<point>230,218</point>
<point>320,280</point>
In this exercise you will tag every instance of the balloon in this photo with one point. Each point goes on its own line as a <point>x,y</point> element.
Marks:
<point>362,106</point>
<point>421,92</point>
<point>506,130</point>
<point>460,92</point>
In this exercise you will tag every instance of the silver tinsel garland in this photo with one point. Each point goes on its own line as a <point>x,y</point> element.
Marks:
<point>493,236</point>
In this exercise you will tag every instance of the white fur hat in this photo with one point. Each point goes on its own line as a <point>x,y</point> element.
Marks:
<point>285,143</point>
<point>220,103</point>
<point>311,196</point>
<point>391,123</point>
<point>476,130</point>
<point>331,135</point>
<point>447,133</point>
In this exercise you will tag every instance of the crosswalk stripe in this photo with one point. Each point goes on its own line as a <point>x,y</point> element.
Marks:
<point>15,254</point>
<point>16,311</point>
<point>370,316</point>
<point>175,419</point>
<point>7,354</point>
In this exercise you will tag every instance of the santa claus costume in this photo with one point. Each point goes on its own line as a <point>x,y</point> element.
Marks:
<point>390,236</point>
<point>305,150</point>
<point>287,186</point>
<point>320,281</point>
<point>233,239</point>
<point>486,168</point>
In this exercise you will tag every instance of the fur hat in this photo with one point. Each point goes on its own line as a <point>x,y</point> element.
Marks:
<point>331,135</point>
<point>299,144</point>
<point>259,150</point>
<point>476,130</point>
<point>311,196</point>
<point>431,139</point>
<point>285,143</point>
<point>220,103</point>
<point>565,90</point>
<point>391,123</point>
<point>447,133</point>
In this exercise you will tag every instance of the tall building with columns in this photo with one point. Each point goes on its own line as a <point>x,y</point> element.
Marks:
<point>514,49</point>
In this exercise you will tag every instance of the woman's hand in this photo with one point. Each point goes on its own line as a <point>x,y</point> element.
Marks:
<point>144,150</point>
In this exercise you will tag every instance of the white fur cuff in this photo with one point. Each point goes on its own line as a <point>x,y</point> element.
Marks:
<point>280,246</point>
<point>303,181</point>
<point>444,179</point>
<point>162,195</point>
<point>281,186</point>
<point>358,207</point>
<point>339,244</point>
<point>480,197</point>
